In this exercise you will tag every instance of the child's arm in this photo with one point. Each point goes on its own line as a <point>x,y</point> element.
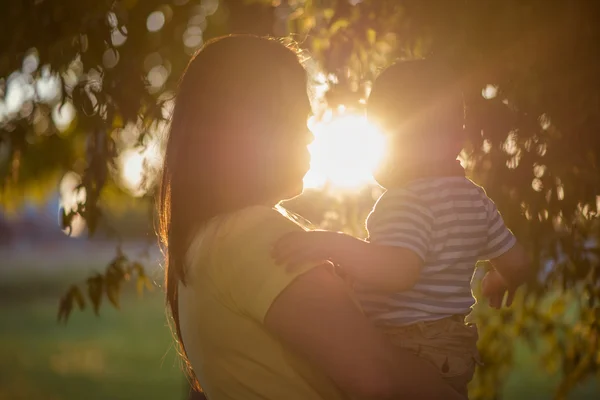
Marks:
<point>509,259</point>
<point>381,268</point>
<point>399,235</point>
<point>514,266</point>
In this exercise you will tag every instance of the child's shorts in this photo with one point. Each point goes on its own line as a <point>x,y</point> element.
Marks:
<point>448,343</point>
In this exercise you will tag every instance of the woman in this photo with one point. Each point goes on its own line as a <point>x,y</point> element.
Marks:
<point>251,329</point>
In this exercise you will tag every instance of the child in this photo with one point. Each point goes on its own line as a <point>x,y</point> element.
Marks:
<point>426,232</point>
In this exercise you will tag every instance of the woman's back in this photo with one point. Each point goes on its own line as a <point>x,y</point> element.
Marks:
<point>231,284</point>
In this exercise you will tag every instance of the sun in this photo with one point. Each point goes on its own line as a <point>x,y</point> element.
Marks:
<point>345,152</point>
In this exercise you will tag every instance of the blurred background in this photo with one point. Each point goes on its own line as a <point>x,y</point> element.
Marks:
<point>86,90</point>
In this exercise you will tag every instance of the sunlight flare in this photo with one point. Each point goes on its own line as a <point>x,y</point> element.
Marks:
<point>140,167</point>
<point>133,168</point>
<point>345,152</point>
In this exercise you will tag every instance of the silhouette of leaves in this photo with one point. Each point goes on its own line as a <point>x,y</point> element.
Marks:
<point>107,284</point>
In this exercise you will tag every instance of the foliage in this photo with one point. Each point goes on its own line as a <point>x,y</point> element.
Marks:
<point>108,284</point>
<point>79,76</point>
<point>533,113</point>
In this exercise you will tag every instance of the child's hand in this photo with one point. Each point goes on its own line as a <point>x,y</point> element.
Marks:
<point>295,249</point>
<point>494,287</point>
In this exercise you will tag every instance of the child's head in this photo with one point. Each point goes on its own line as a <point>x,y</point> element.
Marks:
<point>419,106</point>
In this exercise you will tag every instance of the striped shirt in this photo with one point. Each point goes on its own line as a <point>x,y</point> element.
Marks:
<point>451,224</point>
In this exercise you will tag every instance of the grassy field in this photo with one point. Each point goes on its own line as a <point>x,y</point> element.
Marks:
<point>123,354</point>
<point>127,354</point>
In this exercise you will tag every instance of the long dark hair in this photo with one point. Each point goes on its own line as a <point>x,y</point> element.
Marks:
<point>233,142</point>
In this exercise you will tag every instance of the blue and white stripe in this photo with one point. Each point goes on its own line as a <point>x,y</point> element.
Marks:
<point>451,224</point>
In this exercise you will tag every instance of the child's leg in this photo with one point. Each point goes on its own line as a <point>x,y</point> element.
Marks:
<point>449,344</point>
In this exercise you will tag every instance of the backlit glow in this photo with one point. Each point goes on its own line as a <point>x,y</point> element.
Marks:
<point>133,168</point>
<point>140,166</point>
<point>344,153</point>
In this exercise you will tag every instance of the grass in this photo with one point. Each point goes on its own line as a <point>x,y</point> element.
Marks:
<point>128,354</point>
<point>124,354</point>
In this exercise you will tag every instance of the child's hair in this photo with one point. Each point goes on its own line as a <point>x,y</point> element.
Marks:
<point>421,101</point>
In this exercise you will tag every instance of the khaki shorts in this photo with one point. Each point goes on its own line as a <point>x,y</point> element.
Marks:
<point>449,344</point>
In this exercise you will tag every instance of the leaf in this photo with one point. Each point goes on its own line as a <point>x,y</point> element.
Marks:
<point>371,36</point>
<point>95,290</point>
<point>138,269</point>
<point>116,270</point>
<point>117,121</point>
<point>64,308</point>
<point>143,282</point>
<point>112,292</point>
<point>149,286</point>
<point>307,24</point>
<point>65,220</point>
<point>558,307</point>
<point>140,284</point>
<point>339,24</point>
<point>78,297</point>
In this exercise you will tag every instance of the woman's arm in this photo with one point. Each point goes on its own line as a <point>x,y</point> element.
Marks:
<point>315,316</point>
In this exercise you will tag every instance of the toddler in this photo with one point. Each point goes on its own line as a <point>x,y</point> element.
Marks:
<point>426,232</point>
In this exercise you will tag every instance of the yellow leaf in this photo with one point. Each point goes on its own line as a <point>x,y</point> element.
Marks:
<point>117,121</point>
<point>558,307</point>
<point>371,35</point>
<point>308,23</point>
<point>328,13</point>
<point>139,284</point>
<point>143,282</point>
<point>339,24</point>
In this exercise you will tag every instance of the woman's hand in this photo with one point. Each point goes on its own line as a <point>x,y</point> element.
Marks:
<point>298,248</point>
<point>494,287</point>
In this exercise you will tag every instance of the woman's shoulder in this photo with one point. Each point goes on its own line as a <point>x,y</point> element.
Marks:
<point>250,228</point>
<point>247,234</point>
<point>262,224</point>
